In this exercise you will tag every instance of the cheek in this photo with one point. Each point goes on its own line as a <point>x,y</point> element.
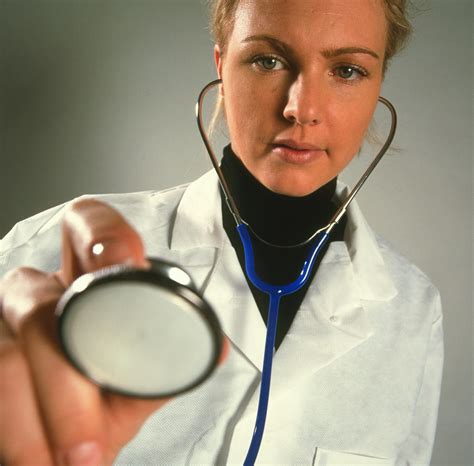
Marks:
<point>241,122</point>
<point>237,108</point>
<point>251,108</point>
<point>350,124</point>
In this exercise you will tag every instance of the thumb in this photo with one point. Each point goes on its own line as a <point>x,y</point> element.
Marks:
<point>94,236</point>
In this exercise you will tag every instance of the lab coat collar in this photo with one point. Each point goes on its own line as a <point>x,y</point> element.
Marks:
<point>199,224</point>
<point>370,271</point>
<point>198,227</point>
<point>199,218</point>
<point>198,230</point>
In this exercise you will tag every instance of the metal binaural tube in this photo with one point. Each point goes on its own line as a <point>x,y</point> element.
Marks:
<point>229,199</point>
<point>341,211</point>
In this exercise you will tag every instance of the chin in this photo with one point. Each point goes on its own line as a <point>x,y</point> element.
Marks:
<point>295,181</point>
<point>294,189</point>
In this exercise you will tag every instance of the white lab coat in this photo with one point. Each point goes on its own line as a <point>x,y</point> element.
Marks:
<point>356,379</point>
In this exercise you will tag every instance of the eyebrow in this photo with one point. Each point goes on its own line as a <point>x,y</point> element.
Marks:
<point>331,53</point>
<point>274,42</point>
<point>328,53</point>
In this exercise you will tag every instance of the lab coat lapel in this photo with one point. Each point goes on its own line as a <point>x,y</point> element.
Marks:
<point>331,321</point>
<point>198,231</point>
<point>370,272</point>
<point>333,317</point>
<point>230,296</point>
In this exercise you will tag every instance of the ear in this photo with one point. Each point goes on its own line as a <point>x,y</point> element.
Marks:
<point>218,59</point>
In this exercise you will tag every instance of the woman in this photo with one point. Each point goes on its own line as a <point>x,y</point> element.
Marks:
<point>357,372</point>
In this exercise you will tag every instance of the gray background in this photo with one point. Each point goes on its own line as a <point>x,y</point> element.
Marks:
<point>98,96</point>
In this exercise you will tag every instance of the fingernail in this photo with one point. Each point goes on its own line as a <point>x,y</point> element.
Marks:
<point>85,454</point>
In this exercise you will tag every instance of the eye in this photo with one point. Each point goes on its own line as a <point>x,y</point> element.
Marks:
<point>269,63</point>
<point>350,72</point>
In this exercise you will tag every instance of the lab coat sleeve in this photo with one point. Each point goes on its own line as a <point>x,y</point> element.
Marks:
<point>36,241</point>
<point>33,242</point>
<point>418,446</point>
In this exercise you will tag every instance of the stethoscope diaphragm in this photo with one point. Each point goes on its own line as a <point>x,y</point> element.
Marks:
<point>140,332</point>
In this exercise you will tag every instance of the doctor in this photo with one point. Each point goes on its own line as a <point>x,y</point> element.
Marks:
<point>358,367</point>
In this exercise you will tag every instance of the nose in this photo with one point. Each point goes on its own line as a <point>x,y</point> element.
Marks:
<point>305,102</point>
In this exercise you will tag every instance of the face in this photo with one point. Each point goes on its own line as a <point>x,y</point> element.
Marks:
<point>301,80</point>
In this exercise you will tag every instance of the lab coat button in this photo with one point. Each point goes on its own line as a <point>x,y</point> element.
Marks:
<point>333,319</point>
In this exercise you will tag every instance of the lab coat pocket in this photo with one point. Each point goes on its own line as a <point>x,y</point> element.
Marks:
<point>330,457</point>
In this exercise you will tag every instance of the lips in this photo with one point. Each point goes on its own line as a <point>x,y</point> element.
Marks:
<point>296,145</point>
<point>297,152</point>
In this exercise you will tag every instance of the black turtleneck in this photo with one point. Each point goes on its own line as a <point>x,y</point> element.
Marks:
<point>279,219</point>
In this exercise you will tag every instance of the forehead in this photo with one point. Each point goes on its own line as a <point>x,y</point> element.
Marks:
<point>316,22</point>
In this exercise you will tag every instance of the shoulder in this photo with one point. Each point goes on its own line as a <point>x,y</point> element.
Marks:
<point>35,241</point>
<point>413,284</point>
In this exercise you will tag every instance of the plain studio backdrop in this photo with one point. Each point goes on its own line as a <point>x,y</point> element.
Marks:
<point>98,96</point>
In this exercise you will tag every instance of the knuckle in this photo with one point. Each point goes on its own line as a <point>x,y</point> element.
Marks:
<point>82,203</point>
<point>24,292</point>
<point>18,274</point>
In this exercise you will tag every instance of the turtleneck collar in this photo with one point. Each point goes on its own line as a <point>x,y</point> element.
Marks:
<point>277,218</point>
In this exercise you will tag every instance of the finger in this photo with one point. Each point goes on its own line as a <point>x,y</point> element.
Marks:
<point>6,335</point>
<point>225,350</point>
<point>20,421</point>
<point>95,236</point>
<point>70,405</point>
<point>23,291</point>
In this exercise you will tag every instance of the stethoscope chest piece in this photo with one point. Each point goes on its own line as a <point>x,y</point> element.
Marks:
<point>144,333</point>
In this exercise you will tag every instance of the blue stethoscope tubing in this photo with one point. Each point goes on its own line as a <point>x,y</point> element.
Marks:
<point>276,292</point>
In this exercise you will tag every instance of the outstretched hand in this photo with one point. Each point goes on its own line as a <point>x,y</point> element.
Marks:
<point>49,413</point>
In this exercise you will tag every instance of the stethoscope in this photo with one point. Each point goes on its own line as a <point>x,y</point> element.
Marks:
<point>276,292</point>
<point>150,333</point>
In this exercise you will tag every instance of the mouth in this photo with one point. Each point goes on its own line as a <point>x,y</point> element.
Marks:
<point>297,152</point>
